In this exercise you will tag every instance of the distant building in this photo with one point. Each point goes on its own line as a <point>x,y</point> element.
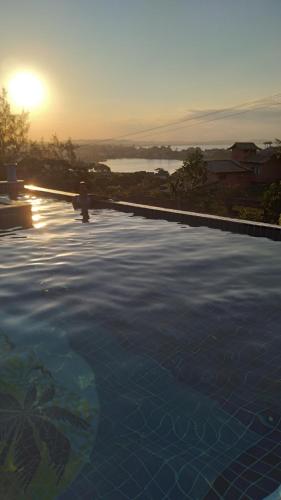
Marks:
<point>230,173</point>
<point>243,151</point>
<point>249,165</point>
<point>266,167</point>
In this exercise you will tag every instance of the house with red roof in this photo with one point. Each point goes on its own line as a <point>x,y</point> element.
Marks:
<point>249,164</point>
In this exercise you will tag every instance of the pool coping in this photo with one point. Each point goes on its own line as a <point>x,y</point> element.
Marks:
<point>240,226</point>
<point>195,219</point>
<point>15,214</point>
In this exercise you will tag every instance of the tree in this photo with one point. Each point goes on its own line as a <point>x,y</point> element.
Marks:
<point>161,172</point>
<point>278,147</point>
<point>55,150</point>
<point>272,203</point>
<point>101,168</point>
<point>192,175</point>
<point>59,150</point>
<point>13,131</point>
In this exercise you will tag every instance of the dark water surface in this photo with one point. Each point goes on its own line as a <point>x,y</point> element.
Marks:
<point>159,347</point>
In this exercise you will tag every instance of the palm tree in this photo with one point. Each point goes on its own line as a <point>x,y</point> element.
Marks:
<point>22,426</point>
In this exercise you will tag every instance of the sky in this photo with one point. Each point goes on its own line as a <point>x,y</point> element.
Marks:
<point>114,67</point>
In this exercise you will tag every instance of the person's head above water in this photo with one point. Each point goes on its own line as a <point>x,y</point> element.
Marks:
<point>83,188</point>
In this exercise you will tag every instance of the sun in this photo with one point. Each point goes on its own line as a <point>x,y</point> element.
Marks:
<point>26,90</point>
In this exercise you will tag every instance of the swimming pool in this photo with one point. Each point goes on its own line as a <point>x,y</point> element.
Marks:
<point>140,359</point>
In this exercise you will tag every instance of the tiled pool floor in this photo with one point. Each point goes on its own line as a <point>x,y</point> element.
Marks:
<point>139,360</point>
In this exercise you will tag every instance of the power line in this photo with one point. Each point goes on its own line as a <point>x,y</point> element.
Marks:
<point>265,101</point>
<point>230,115</point>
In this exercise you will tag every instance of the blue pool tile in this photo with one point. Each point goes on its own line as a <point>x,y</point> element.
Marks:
<point>251,475</point>
<point>262,467</point>
<point>130,488</point>
<point>154,491</point>
<point>233,494</point>
<point>242,483</point>
<point>255,493</point>
<point>237,468</point>
<point>247,459</point>
<point>268,484</point>
<point>257,452</point>
<point>275,474</point>
<point>221,484</point>
<point>230,475</point>
<point>272,459</point>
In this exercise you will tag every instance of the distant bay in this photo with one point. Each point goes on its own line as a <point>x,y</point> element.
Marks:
<point>137,164</point>
<point>149,157</point>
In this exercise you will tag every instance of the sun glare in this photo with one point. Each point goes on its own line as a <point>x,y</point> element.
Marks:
<point>26,90</point>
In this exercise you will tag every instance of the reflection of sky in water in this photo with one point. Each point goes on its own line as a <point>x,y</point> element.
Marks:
<point>180,328</point>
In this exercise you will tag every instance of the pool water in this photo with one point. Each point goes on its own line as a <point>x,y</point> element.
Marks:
<point>140,359</point>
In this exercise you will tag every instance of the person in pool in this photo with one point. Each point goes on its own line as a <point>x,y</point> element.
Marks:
<point>84,201</point>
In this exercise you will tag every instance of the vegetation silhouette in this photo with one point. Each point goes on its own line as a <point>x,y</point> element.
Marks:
<point>60,165</point>
<point>13,131</point>
<point>192,175</point>
<point>272,203</point>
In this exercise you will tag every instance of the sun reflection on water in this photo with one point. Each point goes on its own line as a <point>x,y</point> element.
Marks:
<point>36,206</point>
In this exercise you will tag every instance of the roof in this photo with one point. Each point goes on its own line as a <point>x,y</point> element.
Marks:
<point>245,146</point>
<point>225,166</point>
<point>262,156</point>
